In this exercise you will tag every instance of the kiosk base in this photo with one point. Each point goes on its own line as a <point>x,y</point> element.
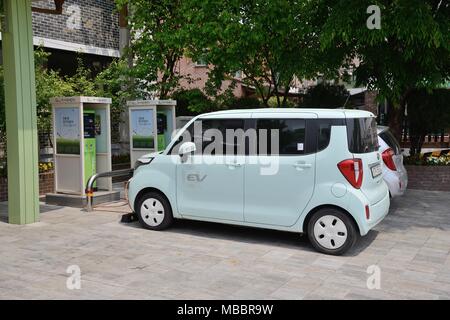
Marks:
<point>70,200</point>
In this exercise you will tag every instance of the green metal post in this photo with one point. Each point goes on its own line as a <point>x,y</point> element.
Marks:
<point>20,101</point>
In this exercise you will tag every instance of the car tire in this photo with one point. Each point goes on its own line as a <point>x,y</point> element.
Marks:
<point>332,231</point>
<point>154,211</point>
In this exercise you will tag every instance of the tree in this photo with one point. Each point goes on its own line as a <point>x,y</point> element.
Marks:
<point>157,43</point>
<point>193,102</point>
<point>428,112</point>
<point>410,50</point>
<point>269,41</point>
<point>325,95</point>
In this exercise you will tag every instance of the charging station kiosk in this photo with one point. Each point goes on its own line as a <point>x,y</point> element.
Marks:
<point>82,148</point>
<point>152,123</point>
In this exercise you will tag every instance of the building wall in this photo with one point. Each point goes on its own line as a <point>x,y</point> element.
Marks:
<point>89,22</point>
<point>197,75</point>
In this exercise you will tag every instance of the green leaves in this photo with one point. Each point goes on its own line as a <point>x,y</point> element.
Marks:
<point>410,50</point>
<point>159,41</point>
<point>270,41</point>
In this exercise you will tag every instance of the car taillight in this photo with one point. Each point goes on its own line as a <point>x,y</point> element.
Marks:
<point>388,159</point>
<point>367,212</point>
<point>352,170</point>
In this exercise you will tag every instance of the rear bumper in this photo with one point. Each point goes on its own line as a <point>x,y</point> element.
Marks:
<point>378,211</point>
<point>397,182</point>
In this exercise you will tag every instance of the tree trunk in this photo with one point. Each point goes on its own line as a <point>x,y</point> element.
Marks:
<point>395,119</point>
<point>421,141</point>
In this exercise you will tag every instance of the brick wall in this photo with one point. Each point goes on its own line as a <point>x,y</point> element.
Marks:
<point>89,22</point>
<point>3,189</point>
<point>432,178</point>
<point>46,185</point>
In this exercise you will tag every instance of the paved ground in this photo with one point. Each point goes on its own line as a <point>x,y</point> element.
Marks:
<point>200,260</point>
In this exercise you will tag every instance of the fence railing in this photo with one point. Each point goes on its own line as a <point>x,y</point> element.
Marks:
<point>437,140</point>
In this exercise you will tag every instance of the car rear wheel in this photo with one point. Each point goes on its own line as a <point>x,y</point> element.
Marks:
<point>331,231</point>
<point>154,211</point>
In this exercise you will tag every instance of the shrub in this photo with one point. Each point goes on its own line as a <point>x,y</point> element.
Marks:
<point>325,95</point>
<point>192,102</point>
<point>428,111</point>
<point>273,103</point>
<point>420,160</point>
<point>244,103</point>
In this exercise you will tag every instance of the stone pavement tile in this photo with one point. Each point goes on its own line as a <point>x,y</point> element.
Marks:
<point>443,276</point>
<point>277,255</point>
<point>402,253</point>
<point>201,294</point>
<point>431,255</point>
<point>260,289</point>
<point>441,289</point>
<point>418,276</point>
<point>411,289</point>
<point>447,262</point>
<point>355,279</point>
<point>131,294</point>
<point>296,288</point>
<point>228,285</point>
<point>158,287</point>
<point>198,263</point>
<point>329,291</point>
<point>329,262</point>
<point>288,293</point>
<point>438,244</point>
<point>317,272</point>
<point>374,294</point>
<point>425,266</point>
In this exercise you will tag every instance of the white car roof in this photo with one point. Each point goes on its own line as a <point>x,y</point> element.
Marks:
<point>321,113</point>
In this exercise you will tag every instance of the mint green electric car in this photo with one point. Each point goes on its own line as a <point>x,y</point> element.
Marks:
<point>313,171</point>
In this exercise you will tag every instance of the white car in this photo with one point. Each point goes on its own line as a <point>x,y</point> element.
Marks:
<point>310,171</point>
<point>394,172</point>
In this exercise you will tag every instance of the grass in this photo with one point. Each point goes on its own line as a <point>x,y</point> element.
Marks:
<point>67,146</point>
<point>143,142</point>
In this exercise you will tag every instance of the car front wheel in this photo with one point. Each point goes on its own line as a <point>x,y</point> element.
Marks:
<point>154,211</point>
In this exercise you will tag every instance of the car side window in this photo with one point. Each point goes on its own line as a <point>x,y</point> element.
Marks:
<point>281,136</point>
<point>219,136</point>
<point>210,136</point>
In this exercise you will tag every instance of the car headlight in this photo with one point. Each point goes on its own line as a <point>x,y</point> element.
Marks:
<point>142,161</point>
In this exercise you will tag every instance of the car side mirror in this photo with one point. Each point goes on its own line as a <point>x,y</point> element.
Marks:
<point>186,148</point>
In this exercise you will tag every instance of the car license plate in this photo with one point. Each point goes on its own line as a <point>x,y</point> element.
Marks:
<point>376,170</point>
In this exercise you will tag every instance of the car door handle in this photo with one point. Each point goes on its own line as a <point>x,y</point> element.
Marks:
<point>302,165</point>
<point>234,165</point>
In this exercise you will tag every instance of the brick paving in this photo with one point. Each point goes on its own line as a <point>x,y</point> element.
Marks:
<point>196,260</point>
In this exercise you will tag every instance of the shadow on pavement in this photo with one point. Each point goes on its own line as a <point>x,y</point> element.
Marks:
<point>42,207</point>
<point>275,238</point>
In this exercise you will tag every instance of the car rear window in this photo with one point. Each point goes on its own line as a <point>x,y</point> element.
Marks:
<point>390,140</point>
<point>362,135</point>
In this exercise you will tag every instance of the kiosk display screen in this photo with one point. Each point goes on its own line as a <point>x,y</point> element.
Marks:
<point>142,132</point>
<point>67,130</point>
